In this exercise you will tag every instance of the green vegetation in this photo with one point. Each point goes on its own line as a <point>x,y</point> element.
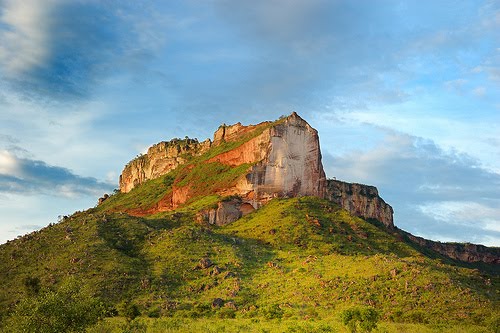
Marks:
<point>294,265</point>
<point>302,262</point>
<point>67,309</point>
<point>360,319</point>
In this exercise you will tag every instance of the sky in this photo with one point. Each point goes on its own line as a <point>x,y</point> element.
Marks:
<point>404,95</point>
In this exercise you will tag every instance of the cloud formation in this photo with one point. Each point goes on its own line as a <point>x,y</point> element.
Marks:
<point>435,193</point>
<point>26,176</point>
<point>63,48</point>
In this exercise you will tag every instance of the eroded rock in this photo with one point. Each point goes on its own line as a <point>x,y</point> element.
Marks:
<point>360,200</point>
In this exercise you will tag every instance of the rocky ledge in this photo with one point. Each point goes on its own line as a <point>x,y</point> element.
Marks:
<point>360,200</point>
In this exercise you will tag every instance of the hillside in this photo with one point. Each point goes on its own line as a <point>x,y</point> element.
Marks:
<point>245,251</point>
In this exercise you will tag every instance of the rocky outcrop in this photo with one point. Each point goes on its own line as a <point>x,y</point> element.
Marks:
<point>360,200</point>
<point>459,251</point>
<point>159,160</point>
<point>226,212</point>
<point>286,157</point>
<point>292,166</point>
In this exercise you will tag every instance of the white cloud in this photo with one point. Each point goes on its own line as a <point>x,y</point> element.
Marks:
<point>8,163</point>
<point>469,213</point>
<point>25,42</point>
<point>436,193</point>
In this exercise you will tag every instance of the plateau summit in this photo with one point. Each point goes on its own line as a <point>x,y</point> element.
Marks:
<point>283,159</point>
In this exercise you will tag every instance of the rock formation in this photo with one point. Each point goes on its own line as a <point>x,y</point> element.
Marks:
<point>284,160</point>
<point>227,211</point>
<point>459,251</point>
<point>160,159</point>
<point>360,200</point>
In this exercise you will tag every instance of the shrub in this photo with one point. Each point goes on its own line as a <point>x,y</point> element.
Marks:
<point>272,312</point>
<point>360,319</point>
<point>128,310</point>
<point>68,309</point>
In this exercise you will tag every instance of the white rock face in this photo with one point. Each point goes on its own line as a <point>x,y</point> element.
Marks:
<point>292,166</point>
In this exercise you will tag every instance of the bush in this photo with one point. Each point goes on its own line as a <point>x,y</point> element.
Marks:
<point>272,312</point>
<point>360,319</point>
<point>128,310</point>
<point>70,308</point>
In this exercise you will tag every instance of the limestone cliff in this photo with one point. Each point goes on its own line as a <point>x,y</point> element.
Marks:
<point>160,159</point>
<point>360,200</point>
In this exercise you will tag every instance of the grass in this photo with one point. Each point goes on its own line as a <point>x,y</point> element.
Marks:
<point>299,262</point>
<point>190,325</point>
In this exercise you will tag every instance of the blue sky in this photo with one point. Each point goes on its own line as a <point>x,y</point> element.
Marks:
<point>404,94</point>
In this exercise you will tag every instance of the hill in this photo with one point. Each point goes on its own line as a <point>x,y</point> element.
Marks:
<point>202,240</point>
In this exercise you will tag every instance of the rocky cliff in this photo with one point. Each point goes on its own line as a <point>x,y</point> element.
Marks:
<point>285,158</point>
<point>459,251</point>
<point>360,200</point>
<point>160,159</point>
<point>274,160</point>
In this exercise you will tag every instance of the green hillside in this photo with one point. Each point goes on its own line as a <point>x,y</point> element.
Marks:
<point>294,265</point>
<point>300,260</point>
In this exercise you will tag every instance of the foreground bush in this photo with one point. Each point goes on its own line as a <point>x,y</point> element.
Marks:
<point>67,309</point>
<point>360,319</point>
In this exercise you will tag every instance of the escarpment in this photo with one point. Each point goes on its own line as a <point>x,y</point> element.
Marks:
<point>459,251</point>
<point>244,167</point>
<point>283,158</point>
<point>286,162</point>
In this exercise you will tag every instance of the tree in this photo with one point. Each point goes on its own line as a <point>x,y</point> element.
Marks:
<point>31,285</point>
<point>70,308</point>
<point>360,319</point>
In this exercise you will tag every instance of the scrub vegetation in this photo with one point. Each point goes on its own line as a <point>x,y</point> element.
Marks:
<point>295,265</point>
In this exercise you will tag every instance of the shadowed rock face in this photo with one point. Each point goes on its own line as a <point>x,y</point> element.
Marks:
<point>360,200</point>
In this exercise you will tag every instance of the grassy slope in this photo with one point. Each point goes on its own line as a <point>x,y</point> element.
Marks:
<point>302,260</point>
<point>296,259</point>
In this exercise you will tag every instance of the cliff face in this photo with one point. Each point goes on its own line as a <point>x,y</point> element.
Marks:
<point>360,200</point>
<point>160,159</point>
<point>464,252</point>
<point>286,158</point>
